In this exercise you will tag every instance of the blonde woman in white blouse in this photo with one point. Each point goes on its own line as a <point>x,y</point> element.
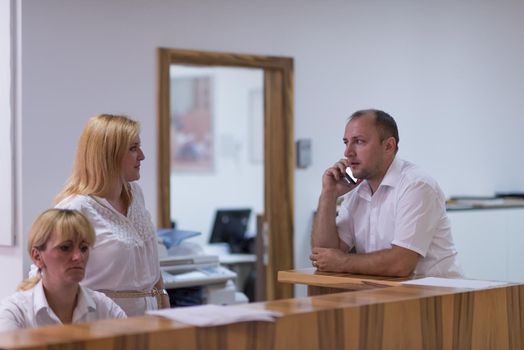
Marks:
<point>59,243</point>
<point>124,263</point>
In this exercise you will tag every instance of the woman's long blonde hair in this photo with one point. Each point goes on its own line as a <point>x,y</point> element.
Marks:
<point>102,146</point>
<point>67,224</point>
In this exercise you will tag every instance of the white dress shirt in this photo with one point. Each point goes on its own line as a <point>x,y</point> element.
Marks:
<point>407,210</point>
<point>29,308</point>
<point>125,254</point>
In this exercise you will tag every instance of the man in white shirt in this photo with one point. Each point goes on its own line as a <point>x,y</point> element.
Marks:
<point>394,216</point>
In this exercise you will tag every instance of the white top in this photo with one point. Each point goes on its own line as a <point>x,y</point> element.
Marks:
<point>125,254</point>
<point>29,308</point>
<point>407,210</point>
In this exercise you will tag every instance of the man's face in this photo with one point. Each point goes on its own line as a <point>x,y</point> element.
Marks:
<point>366,153</point>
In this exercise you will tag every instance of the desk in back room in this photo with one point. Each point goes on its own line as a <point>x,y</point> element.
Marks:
<point>244,266</point>
<point>392,317</point>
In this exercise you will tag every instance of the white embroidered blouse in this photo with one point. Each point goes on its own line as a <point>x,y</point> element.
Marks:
<point>125,254</point>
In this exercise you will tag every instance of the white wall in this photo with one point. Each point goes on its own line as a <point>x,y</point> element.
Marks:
<point>6,122</point>
<point>450,72</point>
<point>10,253</point>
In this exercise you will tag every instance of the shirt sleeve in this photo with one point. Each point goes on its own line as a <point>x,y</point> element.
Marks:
<point>10,316</point>
<point>116,311</point>
<point>344,223</point>
<point>74,203</point>
<point>418,213</point>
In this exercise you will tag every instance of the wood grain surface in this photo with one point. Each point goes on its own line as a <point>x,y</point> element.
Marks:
<point>397,317</point>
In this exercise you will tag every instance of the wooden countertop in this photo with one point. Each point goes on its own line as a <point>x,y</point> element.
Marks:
<point>392,317</point>
<point>310,276</point>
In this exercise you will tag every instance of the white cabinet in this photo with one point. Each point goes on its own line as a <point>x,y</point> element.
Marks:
<point>490,242</point>
<point>515,228</point>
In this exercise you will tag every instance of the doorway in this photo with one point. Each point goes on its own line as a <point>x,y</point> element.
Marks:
<point>278,151</point>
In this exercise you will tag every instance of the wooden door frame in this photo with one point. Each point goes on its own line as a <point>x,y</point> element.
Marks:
<point>279,152</point>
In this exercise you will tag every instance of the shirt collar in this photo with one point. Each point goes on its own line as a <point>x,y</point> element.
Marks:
<point>40,300</point>
<point>391,178</point>
<point>84,304</point>
<point>393,174</point>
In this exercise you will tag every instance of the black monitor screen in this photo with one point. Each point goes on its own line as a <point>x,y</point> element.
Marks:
<point>230,226</point>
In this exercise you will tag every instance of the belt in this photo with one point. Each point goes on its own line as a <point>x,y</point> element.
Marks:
<point>155,292</point>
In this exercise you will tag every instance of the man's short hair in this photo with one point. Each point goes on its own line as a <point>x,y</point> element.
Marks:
<point>386,125</point>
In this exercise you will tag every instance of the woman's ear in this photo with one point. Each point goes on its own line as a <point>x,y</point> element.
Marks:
<point>36,255</point>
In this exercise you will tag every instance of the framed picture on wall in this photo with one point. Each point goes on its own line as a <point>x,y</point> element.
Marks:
<point>191,124</point>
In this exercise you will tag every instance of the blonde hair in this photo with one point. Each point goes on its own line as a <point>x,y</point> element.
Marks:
<point>101,148</point>
<point>67,224</point>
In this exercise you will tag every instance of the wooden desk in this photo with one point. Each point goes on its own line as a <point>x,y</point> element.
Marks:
<point>319,283</point>
<point>397,317</point>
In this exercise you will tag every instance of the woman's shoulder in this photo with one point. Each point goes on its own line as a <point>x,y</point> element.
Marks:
<point>94,295</point>
<point>13,311</point>
<point>16,298</point>
<point>90,206</point>
<point>76,201</point>
<point>16,304</point>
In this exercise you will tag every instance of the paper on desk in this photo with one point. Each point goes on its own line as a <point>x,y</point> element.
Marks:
<point>215,315</point>
<point>454,283</point>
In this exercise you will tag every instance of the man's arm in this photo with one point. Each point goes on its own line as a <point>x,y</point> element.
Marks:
<point>324,227</point>
<point>396,261</point>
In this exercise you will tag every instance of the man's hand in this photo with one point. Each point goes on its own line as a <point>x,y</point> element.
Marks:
<point>333,180</point>
<point>334,185</point>
<point>329,259</point>
<point>395,261</point>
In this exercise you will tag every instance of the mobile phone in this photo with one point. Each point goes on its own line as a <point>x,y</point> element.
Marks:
<point>349,176</point>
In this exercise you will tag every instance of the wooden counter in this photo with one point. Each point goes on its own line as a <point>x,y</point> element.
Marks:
<point>392,317</point>
<point>319,283</point>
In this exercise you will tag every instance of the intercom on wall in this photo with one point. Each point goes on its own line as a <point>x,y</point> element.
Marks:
<point>303,153</point>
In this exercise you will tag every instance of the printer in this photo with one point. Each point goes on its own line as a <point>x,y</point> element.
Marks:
<point>186,268</point>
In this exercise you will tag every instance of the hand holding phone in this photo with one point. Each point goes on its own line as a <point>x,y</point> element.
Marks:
<point>348,174</point>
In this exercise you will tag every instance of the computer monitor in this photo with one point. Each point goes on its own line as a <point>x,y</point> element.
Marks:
<point>230,227</point>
